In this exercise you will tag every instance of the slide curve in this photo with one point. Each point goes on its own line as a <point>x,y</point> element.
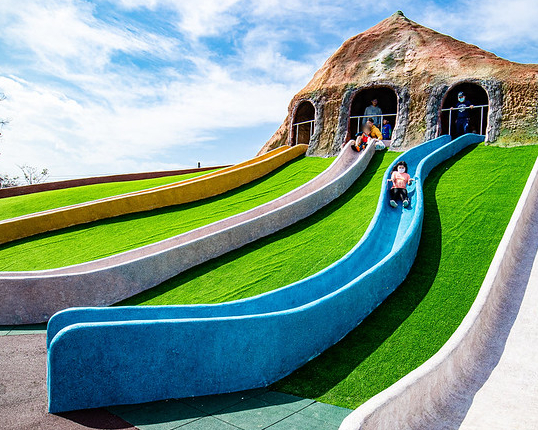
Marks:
<point>189,190</point>
<point>485,374</point>
<point>106,281</point>
<point>109,356</point>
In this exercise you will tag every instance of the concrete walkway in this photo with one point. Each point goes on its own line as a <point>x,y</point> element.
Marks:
<point>509,397</point>
<point>23,401</point>
<point>247,410</point>
<point>23,390</point>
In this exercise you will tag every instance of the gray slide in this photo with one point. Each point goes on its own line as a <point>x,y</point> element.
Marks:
<point>32,297</point>
<point>485,376</point>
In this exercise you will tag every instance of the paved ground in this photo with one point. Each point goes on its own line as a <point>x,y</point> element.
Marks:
<point>23,401</point>
<point>255,409</point>
<point>23,392</point>
<point>508,399</point>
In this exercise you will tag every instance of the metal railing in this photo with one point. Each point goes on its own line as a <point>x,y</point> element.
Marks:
<point>297,124</point>
<point>382,116</point>
<point>450,110</point>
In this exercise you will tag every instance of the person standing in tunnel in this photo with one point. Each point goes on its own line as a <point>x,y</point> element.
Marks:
<point>462,121</point>
<point>372,111</point>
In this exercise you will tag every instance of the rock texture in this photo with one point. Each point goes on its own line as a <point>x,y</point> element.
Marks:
<point>421,66</point>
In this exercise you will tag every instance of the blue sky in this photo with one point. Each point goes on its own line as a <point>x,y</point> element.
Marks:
<point>99,87</point>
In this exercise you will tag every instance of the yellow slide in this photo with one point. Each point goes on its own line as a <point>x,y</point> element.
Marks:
<point>186,191</point>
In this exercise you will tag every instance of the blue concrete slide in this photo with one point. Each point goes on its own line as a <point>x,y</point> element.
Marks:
<point>111,356</point>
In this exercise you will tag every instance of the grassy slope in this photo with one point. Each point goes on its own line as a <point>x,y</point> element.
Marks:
<point>467,209</point>
<point>468,203</point>
<point>11,207</point>
<point>107,237</point>
<point>284,257</point>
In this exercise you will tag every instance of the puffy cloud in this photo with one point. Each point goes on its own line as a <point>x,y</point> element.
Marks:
<point>487,24</point>
<point>65,37</point>
<point>97,87</point>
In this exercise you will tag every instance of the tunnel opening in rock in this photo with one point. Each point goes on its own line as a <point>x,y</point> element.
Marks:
<point>386,108</point>
<point>458,117</point>
<point>303,123</point>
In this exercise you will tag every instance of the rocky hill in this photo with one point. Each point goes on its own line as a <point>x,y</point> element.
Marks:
<point>421,66</point>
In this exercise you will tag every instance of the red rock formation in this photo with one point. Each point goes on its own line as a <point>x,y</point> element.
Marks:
<point>424,68</point>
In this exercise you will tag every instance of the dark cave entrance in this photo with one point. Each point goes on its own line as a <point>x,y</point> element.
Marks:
<point>478,115</point>
<point>302,127</point>
<point>387,101</point>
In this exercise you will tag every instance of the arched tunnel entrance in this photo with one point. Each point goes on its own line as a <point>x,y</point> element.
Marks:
<point>477,121</point>
<point>303,123</point>
<point>361,108</point>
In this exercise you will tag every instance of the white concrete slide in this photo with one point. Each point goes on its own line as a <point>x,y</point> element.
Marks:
<point>485,376</point>
<point>109,280</point>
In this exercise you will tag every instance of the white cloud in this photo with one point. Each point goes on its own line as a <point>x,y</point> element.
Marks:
<point>106,118</point>
<point>52,130</point>
<point>80,107</point>
<point>66,37</point>
<point>195,18</point>
<point>489,23</point>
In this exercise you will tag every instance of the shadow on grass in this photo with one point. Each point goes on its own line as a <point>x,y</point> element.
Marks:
<point>326,371</point>
<point>189,275</point>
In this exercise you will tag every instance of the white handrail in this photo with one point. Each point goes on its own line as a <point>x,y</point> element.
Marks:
<point>467,107</point>
<point>304,122</point>
<point>370,116</point>
<point>297,124</point>
<point>450,109</point>
<point>373,116</point>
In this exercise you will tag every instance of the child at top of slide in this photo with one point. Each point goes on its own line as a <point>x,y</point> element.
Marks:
<point>400,179</point>
<point>361,139</point>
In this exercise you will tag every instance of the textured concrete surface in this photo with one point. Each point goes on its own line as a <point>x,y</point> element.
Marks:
<point>70,183</point>
<point>485,376</point>
<point>509,397</point>
<point>244,344</point>
<point>109,280</point>
<point>23,391</point>
<point>185,191</point>
<point>23,403</point>
<point>16,330</point>
<point>421,66</point>
<point>247,410</point>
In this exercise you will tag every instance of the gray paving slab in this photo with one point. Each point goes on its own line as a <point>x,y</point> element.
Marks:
<point>246,410</point>
<point>5,329</point>
<point>254,414</point>
<point>298,422</point>
<point>28,329</point>
<point>212,404</point>
<point>208,423</point>
<point>123,409</point>
<point>329,414</point>
<point>287,401</point>
<point>165,415</point>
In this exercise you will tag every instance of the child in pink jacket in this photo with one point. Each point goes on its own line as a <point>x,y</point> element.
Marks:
<point>400,179</point>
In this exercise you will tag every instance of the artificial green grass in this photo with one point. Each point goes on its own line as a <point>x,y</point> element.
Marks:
<point>468,203</point>
<point>103,238</point>
<point>11,207</point>
<point>284,257</point>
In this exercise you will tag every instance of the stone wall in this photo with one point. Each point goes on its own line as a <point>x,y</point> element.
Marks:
<point>512,113</point>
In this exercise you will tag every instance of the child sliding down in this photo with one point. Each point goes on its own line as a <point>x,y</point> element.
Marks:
<point>361,139</point>
<point>400,179</point>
